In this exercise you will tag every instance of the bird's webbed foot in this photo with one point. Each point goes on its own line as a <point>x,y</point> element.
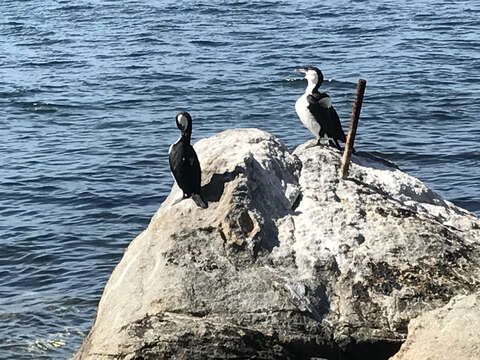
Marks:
<point>334,143</point>
<point>178,200</point>
<point>181,198</point>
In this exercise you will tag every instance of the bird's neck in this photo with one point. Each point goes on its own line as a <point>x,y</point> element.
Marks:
<point>312,87</point>
<point>186,137</point>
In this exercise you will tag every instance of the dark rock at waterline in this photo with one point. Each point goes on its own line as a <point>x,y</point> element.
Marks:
<point>288,262</point>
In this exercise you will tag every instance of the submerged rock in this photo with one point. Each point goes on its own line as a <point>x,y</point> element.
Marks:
<point>288,262</point>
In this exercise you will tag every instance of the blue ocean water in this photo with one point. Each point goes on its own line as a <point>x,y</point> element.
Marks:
<point>88,95</point>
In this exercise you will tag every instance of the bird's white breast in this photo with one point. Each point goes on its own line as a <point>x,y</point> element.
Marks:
<point>305,116</point>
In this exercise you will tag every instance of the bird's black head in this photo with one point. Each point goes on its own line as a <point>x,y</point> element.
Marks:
<point>184,122</point>
<point>312,74</point>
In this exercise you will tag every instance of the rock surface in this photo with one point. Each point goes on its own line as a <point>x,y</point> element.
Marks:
<point>287,262</point>
<point>451,332</point>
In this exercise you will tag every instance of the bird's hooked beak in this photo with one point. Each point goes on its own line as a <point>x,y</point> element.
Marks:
<point>303,71</point>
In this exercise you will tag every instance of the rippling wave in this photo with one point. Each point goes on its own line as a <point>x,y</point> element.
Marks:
<point>89,93</point>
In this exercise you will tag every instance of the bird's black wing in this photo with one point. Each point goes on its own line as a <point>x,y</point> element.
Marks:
<point>319,111</point>
<point>185,167</point>
<point>196,178</point>
<point>334,127</point>
<point>196,171</point>
<point>176,158</point>
<point>186,170</point>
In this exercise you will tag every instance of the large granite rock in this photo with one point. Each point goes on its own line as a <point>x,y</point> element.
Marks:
<point>450,332</point>
<point>288,261</point>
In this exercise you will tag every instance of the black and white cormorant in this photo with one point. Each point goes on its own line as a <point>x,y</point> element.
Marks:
<point>184,162</point>
<point>316,112</point>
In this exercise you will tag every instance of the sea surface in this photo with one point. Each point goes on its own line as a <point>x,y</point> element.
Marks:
<point>89,90</point>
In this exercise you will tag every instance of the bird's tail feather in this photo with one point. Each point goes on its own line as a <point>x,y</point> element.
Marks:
<point>200,201</point>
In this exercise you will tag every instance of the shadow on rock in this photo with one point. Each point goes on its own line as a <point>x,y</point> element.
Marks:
<point>213,191</point>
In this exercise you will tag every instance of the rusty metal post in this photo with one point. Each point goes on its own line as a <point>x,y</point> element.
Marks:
<point>357,106</point>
